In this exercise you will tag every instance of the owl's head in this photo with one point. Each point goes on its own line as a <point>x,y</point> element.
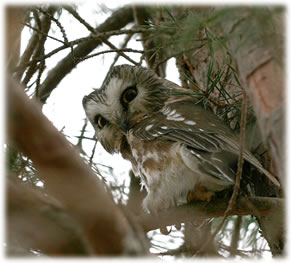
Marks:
<point>128,94</point>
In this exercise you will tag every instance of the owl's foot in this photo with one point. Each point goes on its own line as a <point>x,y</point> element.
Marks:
<point>199,193</point>
<point>165,231</point>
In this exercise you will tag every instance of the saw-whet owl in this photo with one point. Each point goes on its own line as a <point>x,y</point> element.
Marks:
<point>175,146</point>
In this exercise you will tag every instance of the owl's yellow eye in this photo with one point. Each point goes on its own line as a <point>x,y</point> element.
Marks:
<point>129,94</point>
<point>100,121</point>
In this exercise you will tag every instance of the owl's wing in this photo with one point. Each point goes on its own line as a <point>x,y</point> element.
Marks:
<point>204,135</point>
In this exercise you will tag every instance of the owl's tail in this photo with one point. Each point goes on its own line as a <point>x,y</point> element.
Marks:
<point>254,161</point>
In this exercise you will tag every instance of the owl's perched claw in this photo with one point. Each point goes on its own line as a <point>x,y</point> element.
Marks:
<point>165,231</point>
<point>199,193</point>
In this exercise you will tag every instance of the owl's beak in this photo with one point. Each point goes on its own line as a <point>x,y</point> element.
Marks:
<point>123,123</point>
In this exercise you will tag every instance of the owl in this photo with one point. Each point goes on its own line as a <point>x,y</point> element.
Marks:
<point>179,150</point>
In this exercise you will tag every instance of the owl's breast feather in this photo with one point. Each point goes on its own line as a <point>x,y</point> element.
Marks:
<point>163,172</point>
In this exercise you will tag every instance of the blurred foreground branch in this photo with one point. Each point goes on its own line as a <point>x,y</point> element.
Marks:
<point>67,178</point>
<point>38,222</point>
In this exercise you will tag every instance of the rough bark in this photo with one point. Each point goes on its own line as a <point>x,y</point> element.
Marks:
<point>261,72</point>
<point>260,66</point>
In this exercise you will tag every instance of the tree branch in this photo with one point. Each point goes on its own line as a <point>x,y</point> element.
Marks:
<point>67,177</point>
<point>186,213</point>
<point>51,229</point>
<point>97,36</point>
<point>118,20</point>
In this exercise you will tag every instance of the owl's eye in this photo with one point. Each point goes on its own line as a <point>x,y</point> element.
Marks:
<point>128,95</point>
<point>100,121</point>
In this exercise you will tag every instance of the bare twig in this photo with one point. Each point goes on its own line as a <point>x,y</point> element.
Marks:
<point>112,50</point>
<point>116,21</point>
<point>235,236</point>
<point>75,14</point>
<point>66,41</point>
<point>75,42</point>
<point>81,137</point>
<point>93,153</point>
<point>127,39</point>
<point>57,22</point>
<point>93,30</point>
<point>43,33</point>
<point>40,71</point>
<point>45,25</point>
<point>238,174</point>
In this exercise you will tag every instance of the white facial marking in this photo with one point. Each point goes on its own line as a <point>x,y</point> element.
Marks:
<point>91,108</point>
<point>112,105</point>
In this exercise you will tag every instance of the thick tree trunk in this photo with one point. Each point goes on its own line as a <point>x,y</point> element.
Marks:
<point>260,66</point>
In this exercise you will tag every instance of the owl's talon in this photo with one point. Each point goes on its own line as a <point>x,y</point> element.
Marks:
<point>199,193</point>
<point>165,231</point>
<point>178,226</point>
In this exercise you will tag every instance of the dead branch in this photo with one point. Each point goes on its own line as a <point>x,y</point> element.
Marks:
<point>66,176</point>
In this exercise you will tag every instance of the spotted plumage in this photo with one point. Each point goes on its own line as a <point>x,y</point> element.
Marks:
<point>175,146</point>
